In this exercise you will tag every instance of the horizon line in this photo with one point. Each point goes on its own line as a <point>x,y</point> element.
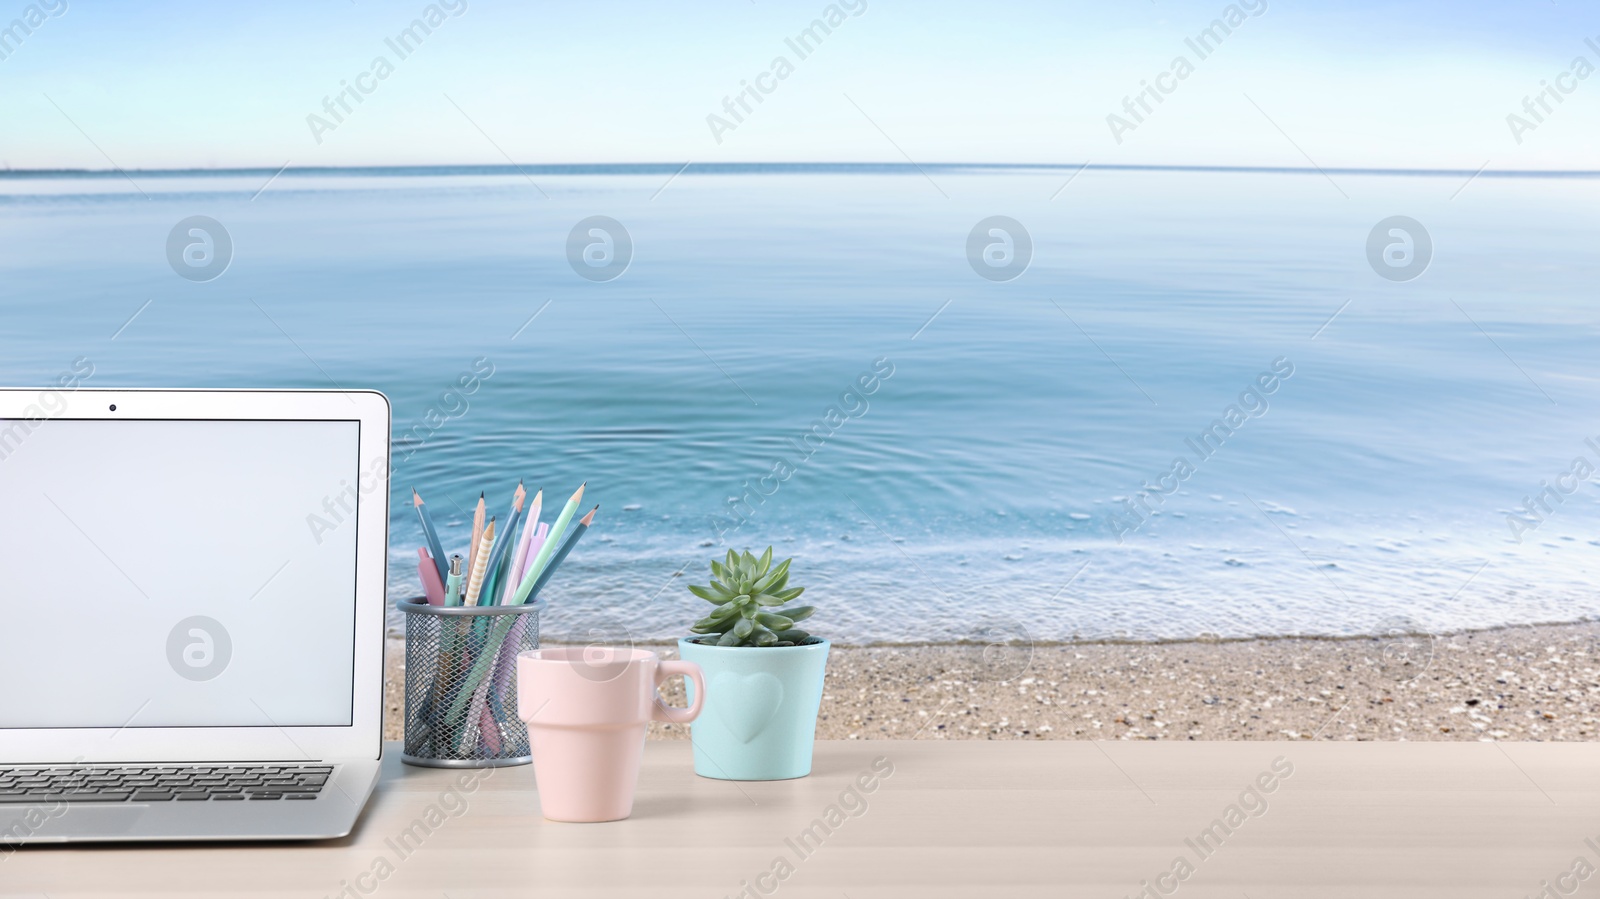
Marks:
<point>676,168</point>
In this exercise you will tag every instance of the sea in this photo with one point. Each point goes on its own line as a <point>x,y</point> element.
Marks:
<point>973,403</point>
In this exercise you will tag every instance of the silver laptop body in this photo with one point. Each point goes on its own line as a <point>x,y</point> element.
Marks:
<point>194,626</point>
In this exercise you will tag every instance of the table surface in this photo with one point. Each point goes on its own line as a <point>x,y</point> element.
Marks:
<point>956,819</point>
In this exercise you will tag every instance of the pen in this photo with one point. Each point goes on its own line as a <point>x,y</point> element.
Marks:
<point>428,571</point>
<point>452,587</point>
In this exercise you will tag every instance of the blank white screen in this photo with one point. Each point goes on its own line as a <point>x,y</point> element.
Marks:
<point>117,531</point>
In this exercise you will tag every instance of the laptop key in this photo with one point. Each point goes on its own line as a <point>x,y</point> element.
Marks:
<point>95,797</point>
<point>299,795</point>
<point>152,796</point>
<point>191,796</point>
<point>266,795</point>
<point>220,797</point>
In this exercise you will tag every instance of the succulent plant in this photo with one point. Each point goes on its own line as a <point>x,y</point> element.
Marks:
<point>744,590</point>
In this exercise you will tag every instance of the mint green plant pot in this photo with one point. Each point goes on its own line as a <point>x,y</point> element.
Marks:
<point>760,715</point>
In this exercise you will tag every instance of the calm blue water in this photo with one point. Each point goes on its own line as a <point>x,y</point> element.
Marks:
<point>978,480</point>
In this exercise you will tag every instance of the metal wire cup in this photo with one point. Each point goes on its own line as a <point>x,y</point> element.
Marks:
<point>461,684</point>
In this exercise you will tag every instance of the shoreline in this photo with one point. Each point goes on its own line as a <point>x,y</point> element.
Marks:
<point>1527,682</point>
<point>1132,641</point>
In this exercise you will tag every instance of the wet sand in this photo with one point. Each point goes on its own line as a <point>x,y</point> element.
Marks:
<point>1524,683</point>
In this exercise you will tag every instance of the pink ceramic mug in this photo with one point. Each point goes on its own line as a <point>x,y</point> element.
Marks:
<point>587,711</point>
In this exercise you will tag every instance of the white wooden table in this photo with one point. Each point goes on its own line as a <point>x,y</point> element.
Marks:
<point>953,819</point>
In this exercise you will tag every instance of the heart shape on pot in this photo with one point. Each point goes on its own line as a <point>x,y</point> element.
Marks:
<point>746,703</point>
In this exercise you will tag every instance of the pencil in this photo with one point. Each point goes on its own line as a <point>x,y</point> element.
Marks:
<point>533,551</point>
<point>518,497</point>
<point>566,547</point>
<point>494,574</point>
<point>524,552</point>
<point>520,559</point>
<point>430,534</point>
<point>481,562</point>
<point>537,566</point>
<point>477,535</point>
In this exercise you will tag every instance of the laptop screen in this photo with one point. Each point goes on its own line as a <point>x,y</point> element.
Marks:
<point>179,573</point>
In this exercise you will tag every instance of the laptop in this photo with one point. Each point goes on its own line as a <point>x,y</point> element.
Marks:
<point>194,617</point>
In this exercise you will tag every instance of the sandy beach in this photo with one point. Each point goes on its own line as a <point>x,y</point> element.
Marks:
<point>1524,683</point>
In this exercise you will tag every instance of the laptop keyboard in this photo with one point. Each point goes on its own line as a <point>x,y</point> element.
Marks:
<point>244,783</point>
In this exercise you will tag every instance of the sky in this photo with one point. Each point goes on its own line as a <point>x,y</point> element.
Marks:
<point>176,84</point>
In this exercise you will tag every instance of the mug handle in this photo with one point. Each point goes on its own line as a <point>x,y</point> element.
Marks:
<point>672,714</point>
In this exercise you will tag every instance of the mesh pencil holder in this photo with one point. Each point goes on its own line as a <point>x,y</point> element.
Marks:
<point>461,684</point>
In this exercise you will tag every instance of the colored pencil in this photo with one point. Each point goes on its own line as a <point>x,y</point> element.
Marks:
<point>429,573</point>
<point>537,566</point>
<point>480,563</point>
<point>561,555</point>
<point>517,497</point>
<point>535,509</point>
<point>533,549</point>
<point>477,535</point>
<point>530,526</point>
<point>497,553</point>
<point>430,533</point>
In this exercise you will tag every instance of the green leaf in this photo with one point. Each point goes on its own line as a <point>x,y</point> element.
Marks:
<point>749,610</point>
<point>748,559</point>
<point>776,622</point>
<point>706,594</point>
<point>768,600</point>
<point>764,637</point>
<point>714,622</point>
<point>719,570</point>
<point>793,635</point>
<point>798,613</point>
<point>733,558</point>
<point>744,628</point>
<point>729,639</point>
<point>775,578</point>
<point>764,563</point>
<point>723,612</point>
<point>791,593</point>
